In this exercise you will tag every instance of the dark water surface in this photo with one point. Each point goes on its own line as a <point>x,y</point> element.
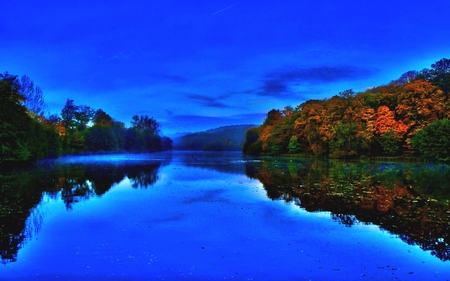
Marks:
<point>211,216</point>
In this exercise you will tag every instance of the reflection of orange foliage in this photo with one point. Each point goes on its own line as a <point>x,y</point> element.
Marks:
<point>367,203</point>
<point>264,175</point>
<point>61,182</point>
<point>385,197</point>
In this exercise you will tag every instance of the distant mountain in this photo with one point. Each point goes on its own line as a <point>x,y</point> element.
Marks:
<point>217,139</point>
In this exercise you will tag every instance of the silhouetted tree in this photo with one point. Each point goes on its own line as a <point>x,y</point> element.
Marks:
<point>145,123</point>
<point>34,97</point>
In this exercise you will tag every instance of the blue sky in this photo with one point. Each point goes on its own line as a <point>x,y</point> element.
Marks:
<point>196,65</point>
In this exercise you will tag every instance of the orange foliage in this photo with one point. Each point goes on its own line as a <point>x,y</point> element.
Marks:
<point>385,121</point>
<point>418,104</point>
<point>404,108</point>
<point>264,136</point>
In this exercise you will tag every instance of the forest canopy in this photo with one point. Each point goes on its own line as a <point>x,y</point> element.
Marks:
<point>27,135</point>
<point>408,116</point>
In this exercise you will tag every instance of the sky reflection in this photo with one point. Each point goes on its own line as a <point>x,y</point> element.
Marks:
<point>202,221</point>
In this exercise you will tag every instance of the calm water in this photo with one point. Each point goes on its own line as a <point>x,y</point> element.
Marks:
<point>210,216</point>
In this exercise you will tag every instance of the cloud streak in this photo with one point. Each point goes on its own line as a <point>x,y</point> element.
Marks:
<point>279,83</point>
<point>223,10</point>
<point>209,101</point>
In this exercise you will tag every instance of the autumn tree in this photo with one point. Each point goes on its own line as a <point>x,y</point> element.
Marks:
<point>418,104</point>
<point>307,127</point>
<point>385,121</point>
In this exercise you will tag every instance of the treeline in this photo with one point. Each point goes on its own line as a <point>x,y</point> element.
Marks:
<point>408,116</point>
<point>26,135</point>
<point>227,138</point>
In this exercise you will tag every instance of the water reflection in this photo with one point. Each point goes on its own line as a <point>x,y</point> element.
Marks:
<point>409,200</point>
<point>74,179</point>
<point>18,198</point>
<point>228,162</point>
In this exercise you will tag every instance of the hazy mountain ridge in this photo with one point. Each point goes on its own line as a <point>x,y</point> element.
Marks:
<point>217,139</point>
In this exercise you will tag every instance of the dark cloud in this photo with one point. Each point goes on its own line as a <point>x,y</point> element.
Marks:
<point>273,87</point>
<point>209,101</point>
<point>279,83</point>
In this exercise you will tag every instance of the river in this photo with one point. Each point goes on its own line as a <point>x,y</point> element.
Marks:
<point>209,216</point>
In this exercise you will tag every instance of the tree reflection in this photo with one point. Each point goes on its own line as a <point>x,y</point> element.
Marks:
<point>144,177</point>
<point>345,219</point>
<point>20,193</point>
<point>17,200</point>
<point>409,200</point>
<point>74,191</point>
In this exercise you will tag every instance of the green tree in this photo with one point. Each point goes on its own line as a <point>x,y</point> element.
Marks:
<point>433,141</point>
<point>441,75</point>
<point>145,123</point>
<point>68,115</point>
<point>99,138</point>
<point>120,132</point>
<point>294,146</point>
<point>101,118</point>
<point>144,135</point>
<point>83,116</point>
<point>390,143</point>
<point>14,121</point>
<point>22,138</point>
<point>134,140</point>
<point>251,136</point>
<point>344,140</point>
<point>76,117</point>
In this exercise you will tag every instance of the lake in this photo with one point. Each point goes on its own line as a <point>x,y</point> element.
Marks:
<point>208,216</point>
